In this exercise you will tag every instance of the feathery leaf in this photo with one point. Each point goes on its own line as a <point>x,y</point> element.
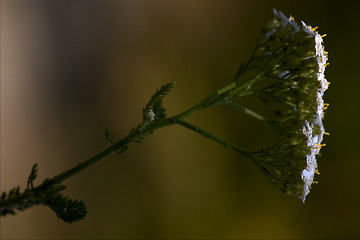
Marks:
<point>156,98</point>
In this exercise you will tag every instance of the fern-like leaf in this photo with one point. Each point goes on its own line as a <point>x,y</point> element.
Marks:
<point>156,98</point>
<point>67,209</point>
<point>32,176</point>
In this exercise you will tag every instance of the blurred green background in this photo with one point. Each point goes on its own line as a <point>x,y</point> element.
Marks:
<point>70,69</point>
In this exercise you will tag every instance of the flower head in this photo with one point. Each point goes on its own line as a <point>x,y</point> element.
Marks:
<point>293,56</point>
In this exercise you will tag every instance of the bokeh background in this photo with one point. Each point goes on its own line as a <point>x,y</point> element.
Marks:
<point>70,69</point>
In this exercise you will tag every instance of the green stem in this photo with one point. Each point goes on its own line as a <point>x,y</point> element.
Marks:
<point>246,110</point>
<point>14,200</point>
<point>113,148</point>
<point>245,67</point>
<point>206,134</point>
<point>255,115</point>
<point>209,101</point>
<point>35,195</point>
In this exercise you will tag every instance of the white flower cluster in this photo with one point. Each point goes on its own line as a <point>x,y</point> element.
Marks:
<point>313,130</point>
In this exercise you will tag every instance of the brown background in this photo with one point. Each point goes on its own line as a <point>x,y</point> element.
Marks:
<point>69,69</point>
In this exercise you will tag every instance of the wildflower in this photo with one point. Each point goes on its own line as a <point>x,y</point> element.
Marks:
<point>293,57</point>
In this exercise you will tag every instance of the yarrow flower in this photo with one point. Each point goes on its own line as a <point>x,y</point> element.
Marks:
<point>290,60</point>
<point>292,56</point>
